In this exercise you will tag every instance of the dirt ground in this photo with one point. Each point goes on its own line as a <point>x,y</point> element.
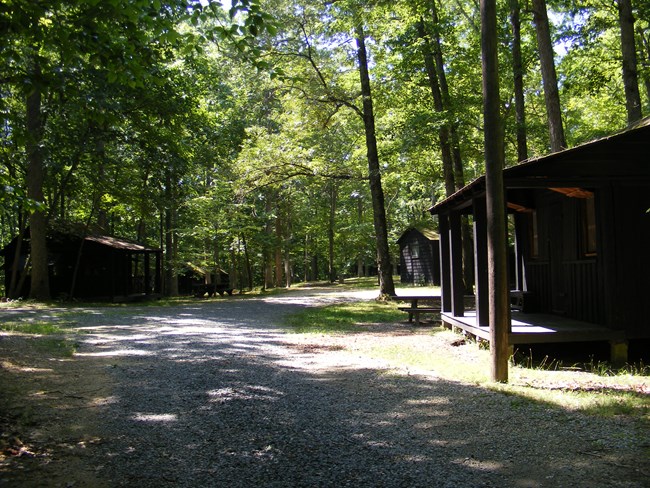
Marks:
<point>47,414</point>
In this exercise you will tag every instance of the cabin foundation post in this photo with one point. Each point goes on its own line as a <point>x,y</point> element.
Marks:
<point>618,352</point>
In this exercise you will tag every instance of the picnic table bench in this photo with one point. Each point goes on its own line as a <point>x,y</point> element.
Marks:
<point>414,310</point>
<point>200,289</point>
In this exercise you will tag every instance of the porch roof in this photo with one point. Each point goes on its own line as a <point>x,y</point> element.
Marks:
<point>623,155</point>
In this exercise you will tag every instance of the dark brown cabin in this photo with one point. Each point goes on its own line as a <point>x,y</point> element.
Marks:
<point>581,232</point>
<point>106,267</point>
<point>419,257</point>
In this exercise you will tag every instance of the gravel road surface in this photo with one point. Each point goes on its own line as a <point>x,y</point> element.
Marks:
<point>214,394</point>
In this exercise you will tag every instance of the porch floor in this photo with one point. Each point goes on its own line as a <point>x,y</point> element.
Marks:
<point>531,328</point>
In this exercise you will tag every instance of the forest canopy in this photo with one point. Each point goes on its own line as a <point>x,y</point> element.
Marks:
<point>236,136</point>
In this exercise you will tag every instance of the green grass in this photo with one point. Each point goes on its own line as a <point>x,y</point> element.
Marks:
<point>347,317</point>
<point>50,338</point>
<point>29,327</point>
<point>594,389</point>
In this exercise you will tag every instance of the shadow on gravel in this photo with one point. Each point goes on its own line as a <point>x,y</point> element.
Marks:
<point>210,396</point>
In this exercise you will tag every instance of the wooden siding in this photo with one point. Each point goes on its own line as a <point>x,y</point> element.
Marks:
<point>423,268</point>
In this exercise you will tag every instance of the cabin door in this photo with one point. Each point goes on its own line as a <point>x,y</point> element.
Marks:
<point>556,258</point>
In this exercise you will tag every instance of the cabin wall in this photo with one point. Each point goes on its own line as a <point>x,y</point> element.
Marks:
<point>424,267</point>
<point>562,278</point>
<point>628,270</point>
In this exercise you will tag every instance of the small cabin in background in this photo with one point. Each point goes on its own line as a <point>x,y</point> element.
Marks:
<point>419,257</point>
<point>91,266</point>
<point>581,227</point>
<point>197,281</point>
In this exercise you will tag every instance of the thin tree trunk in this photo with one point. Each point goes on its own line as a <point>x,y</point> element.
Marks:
<point>331,268</point>
<point>40,283</point>
<point>499,306</point>
<point>386,285</point>
<point>645,60</point>
<point>628,49</point>
<point>278,251</point>
<point>249,268</point>
<point>549,76</point>
<point>171,276</point>
<point>518,78</point>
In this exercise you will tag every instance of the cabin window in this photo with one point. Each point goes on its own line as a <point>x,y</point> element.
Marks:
<point>589,226</point>
<point>415,250</point>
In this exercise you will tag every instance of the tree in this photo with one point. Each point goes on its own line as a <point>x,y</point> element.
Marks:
<point>499,303</point>
<point>386,285</point>
<point>549,76</point>
<point>628,50</point>
<point>518,82</point>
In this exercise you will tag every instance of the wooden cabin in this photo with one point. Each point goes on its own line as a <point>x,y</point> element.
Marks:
<point>419,257</point>
<point>106,267</point>
<point>581,231</point>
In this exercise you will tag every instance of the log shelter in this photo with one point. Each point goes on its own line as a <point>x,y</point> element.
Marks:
<point>579,222</point>
<point>107,268</point>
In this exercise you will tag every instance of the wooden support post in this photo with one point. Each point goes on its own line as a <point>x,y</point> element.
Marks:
<point>456,251</point>
<point>445,263</point>
<point>481,263</point>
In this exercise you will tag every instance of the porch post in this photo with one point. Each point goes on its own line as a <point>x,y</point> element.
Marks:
<point>147,273</point>
<point>445,274</point>
<point>481,262</point>
<point>456,250</point>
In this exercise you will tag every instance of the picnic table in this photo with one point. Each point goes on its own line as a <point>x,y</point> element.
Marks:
<point>414,309</point>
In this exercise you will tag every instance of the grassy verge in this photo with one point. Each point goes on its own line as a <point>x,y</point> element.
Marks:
<point>50,338</point>
<point>594,389</point>
<point>348,317</point>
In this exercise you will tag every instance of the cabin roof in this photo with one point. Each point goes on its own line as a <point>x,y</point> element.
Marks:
<point>622,155</point>
<point>58,233</point>
<point>427,232</point>
<point>116,243</point>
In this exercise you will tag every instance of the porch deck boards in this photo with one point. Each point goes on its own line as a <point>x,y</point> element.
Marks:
<point>531,328</point>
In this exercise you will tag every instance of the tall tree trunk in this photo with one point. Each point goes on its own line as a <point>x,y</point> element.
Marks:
<point>331,268</point>
<point>386,285</point>
<point>459,177</point>
<point>644,50</point>
<point>549,76</point>
<point>40,283</point>
<point>307,274</point>
<point>518,78</point>
<point>450,145</point>
<point>628,49</point>
<point>499,303</point>
<point>171,274</point>
<point>268,247</point>
<point>443,132</point>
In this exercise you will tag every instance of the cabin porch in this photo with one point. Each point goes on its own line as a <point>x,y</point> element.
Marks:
<point>536,328</point>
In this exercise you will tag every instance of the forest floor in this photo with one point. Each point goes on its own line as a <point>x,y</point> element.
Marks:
<point>214,393</point>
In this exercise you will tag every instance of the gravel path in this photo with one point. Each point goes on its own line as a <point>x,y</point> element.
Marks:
<point>215,395</point>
